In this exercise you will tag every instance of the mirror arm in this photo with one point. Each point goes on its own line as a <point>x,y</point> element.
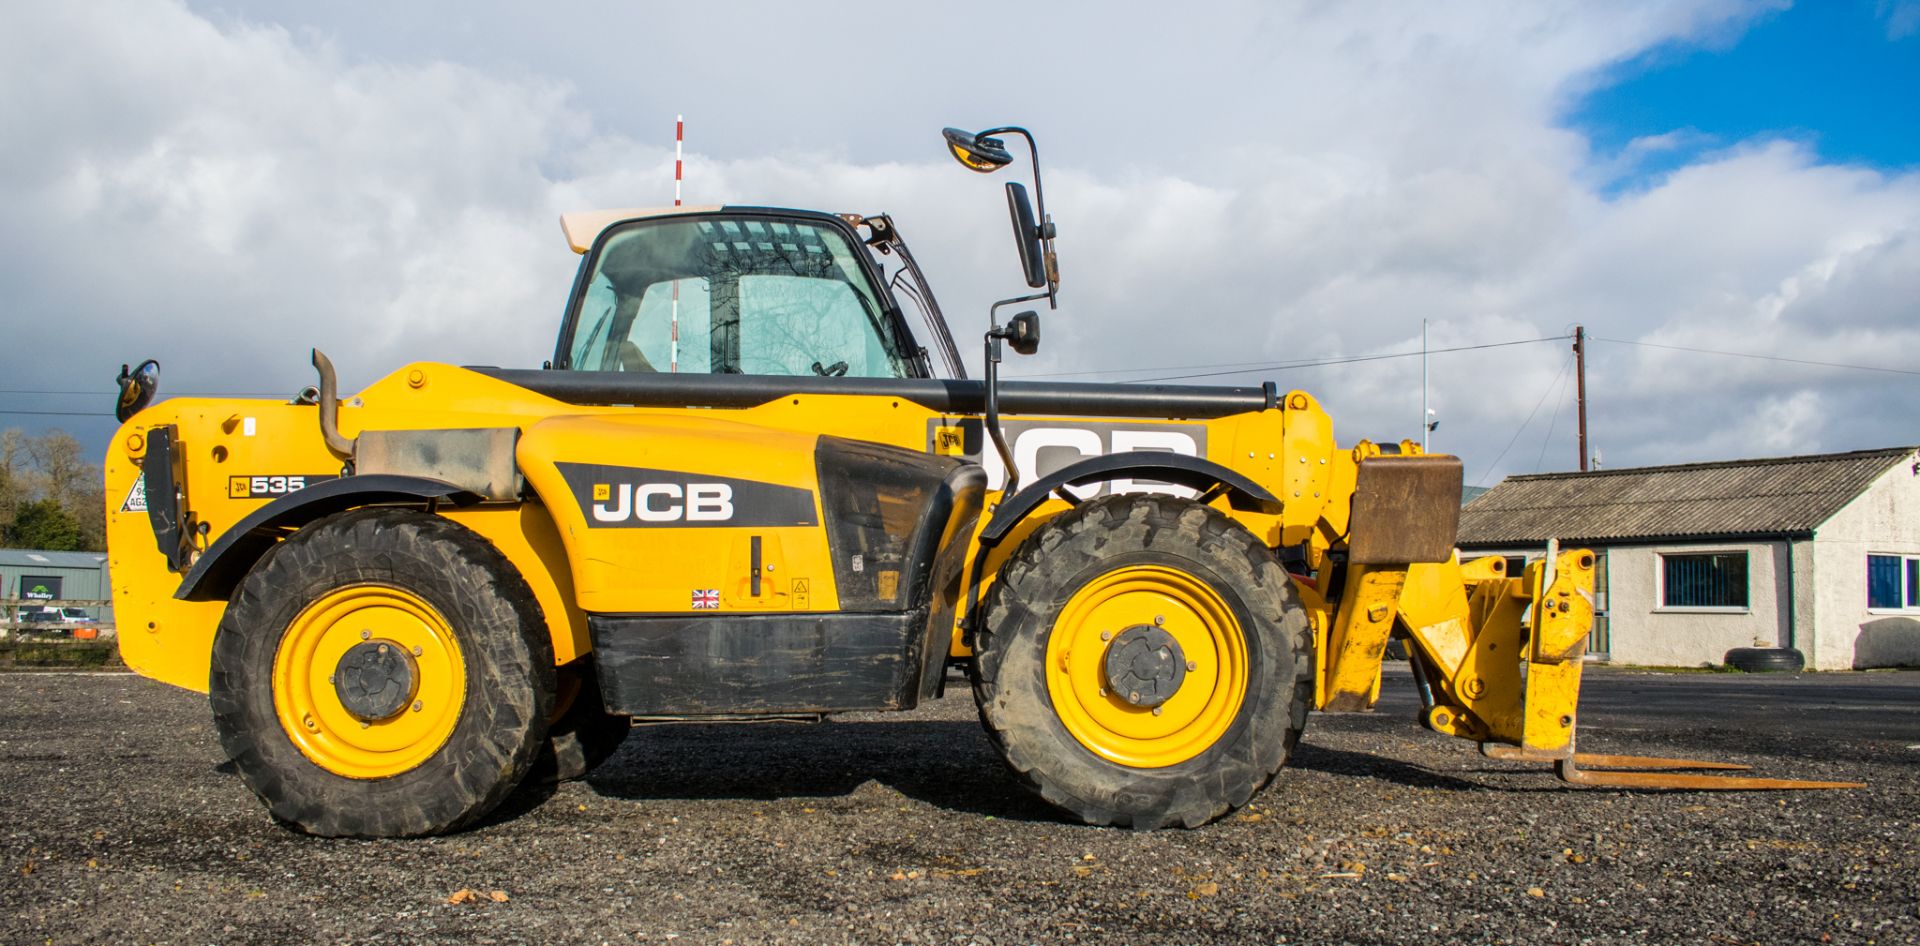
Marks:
<point>991,421</point>
<point>1040,205</point>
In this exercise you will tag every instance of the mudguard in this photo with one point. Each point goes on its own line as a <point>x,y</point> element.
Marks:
<point>219,570</point>
<point>1178,469</point>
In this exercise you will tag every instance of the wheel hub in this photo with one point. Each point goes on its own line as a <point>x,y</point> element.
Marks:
<point>1145,666</point>
<point>375,680</point>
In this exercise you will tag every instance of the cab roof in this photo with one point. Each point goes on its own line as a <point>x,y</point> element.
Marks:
<point>582,227</point>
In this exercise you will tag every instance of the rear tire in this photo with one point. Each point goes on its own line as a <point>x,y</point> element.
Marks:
<point>1766,659</point>
<point>472,705</point>
<point>583,734</point>
<point>1049,688</point>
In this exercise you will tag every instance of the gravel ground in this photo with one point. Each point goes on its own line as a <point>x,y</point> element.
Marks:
<point>121,822</point>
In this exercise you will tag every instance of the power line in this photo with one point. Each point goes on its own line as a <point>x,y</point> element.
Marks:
<point>1082,374</point>
<point>1553,421</point>
<point>1743,354</point>
<point>1249,367</point>
<point>1320,363</point>
<point>1553,386</point>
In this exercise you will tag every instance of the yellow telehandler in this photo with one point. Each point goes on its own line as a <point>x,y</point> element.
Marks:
<point>740,490</point>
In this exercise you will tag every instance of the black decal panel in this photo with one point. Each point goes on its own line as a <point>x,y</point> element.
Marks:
<point>621,497</point>
<point>1042,446</point>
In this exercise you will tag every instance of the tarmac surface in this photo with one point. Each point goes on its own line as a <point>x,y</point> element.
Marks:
<point>120,822</point>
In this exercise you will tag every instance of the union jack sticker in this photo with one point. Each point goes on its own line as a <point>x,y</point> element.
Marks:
<point>706,599</point>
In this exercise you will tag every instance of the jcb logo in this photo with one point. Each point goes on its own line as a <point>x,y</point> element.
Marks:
<point>662,502</point>
<point>627,497</point>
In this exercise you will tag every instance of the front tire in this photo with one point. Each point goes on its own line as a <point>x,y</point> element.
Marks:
<point>382,673</point>
<point>1143,661</point>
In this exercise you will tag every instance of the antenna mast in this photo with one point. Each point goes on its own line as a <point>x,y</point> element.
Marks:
<point>679,135</point>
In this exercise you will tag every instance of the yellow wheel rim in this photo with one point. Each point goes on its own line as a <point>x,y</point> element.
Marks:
<point>1196,716</point>
<point>310,708</point>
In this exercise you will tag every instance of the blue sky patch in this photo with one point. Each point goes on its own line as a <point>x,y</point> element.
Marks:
<point>1841,77</point>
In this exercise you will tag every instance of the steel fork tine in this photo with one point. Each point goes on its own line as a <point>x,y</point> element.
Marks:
<point>1571,773</point>
<point>1636,771</point>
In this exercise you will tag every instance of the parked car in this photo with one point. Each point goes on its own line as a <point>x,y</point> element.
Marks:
<point>42,622</point>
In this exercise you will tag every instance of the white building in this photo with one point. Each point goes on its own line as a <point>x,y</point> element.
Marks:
<point>1819,554</point>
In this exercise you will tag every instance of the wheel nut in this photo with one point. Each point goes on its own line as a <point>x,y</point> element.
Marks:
<point>365,634</point>
<point>416,650</point>
<point>1159,619</point>
<point>1106,635</point>
<point>364,724</point>
<point>382,648</point>
<point>1156,711</point>
<point>416,706</point>
<point>1133,697</point>
<point>1192,665</point>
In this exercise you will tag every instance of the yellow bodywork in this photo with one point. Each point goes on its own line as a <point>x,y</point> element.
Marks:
<point>236,455</point>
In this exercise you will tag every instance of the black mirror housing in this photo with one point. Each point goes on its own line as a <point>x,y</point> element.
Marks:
<point>1023,332</point>
<point>977,152</point>
<point>137,388</point>
<point>1026,235</point>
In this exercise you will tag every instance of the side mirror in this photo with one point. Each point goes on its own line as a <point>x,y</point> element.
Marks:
<point>1023,332</point>
<point>137,388</point>
<point>977,152</point>
<point>1026,235</point>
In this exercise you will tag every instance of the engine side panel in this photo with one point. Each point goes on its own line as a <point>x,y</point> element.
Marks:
<point>665,513</point>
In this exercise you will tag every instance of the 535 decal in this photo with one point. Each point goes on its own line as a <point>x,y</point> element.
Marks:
<point>272,486</point>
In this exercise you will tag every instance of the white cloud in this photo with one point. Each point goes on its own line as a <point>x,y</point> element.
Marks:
<point>1902,16</point>
<point>1250,182</point>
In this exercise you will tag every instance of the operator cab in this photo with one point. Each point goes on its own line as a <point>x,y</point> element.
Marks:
<point>730,291</point>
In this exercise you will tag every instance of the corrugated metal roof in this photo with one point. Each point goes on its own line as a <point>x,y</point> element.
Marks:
<point>1780,495</point>
<point>28,558</point>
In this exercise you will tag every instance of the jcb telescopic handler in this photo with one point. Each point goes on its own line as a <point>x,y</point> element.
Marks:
<point>740,491</point>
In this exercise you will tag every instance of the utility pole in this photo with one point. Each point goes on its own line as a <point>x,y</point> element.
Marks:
<point>1580,387</point>
<point>1425,427</point>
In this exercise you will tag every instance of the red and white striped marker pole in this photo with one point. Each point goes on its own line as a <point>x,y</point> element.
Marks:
<point>679,136</point>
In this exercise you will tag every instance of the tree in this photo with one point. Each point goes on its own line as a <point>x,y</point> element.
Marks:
<point>50,495</point>
<point>13,488</point>
<point>9,501</point>
<point>60,468</point>
<point>45,524</point>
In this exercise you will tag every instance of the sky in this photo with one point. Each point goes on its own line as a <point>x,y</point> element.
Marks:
<point>1725,195</point>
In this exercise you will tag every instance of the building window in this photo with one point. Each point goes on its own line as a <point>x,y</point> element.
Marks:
<point>1893,582</point>
<point>1704,580</point>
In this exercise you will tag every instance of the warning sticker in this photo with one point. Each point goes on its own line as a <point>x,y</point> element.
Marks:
<point>801,589</point>
<point>137,496</point>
